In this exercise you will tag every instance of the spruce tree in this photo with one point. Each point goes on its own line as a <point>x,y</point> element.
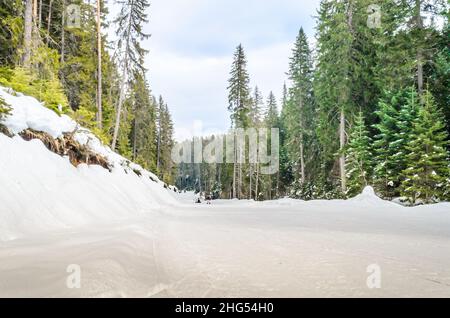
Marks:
<point>299,110</point>
<point>386,172</point>
<point>271,121</point>
<point>239,92</point>
<point>334,89</point>
<point>129,31</point>
<point>426,177</point>
<point>239,105</point>
<point>359,160</point>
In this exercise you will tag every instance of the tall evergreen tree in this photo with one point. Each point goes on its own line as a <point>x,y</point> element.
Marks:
<point>427,174</point>
<point>239,105</point>
<point>359,162</point>
<point>299,110</point>
<point>333,81</point>
<point>129,31</point>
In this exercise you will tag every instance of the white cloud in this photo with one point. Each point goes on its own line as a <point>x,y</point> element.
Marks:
<point>192,46</point>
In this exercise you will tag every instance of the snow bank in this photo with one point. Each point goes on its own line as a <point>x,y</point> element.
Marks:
<point>40,190</point>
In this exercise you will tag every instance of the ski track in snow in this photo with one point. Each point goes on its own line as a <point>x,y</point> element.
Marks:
<point>207,251</point>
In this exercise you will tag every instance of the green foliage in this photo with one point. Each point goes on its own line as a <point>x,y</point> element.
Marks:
<point>239,92</point>
<point>48,91</point>
<point>144,124</point>
<point>4,108</point>
<point>359,157</point>
<point>11,30</point>
<point>394,131</point>
<point>298,113</point>
<point>427,172</point>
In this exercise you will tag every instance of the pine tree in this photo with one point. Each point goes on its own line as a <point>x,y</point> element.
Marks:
<point>333,80</point>
<point>359,159</point>
<point>271,121</point>
<point>129,31</point>
<point>256,108</point>
<point>386,172</point>
<point>239,92</point>
<point>396,114</point>
<point>11,25</point>
<point>239,105</point>
<point>299,105</point>
<point>144,124</point>
<point>427,174</point>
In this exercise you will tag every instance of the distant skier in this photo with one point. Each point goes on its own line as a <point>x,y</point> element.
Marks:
<point>198,201</point>
<point>208,199</point>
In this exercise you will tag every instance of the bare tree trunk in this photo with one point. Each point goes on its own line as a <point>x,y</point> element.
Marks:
<point>342,157</point>
<point>234,167</point>
<point>302,159</point>
<point>40,14</point>
<point>240,174</point>
<point>250,196</point>
<point>119,107</point>
<point>63,32</point>
<point>49,20</point>
<point>134,139</point>
<point>419,26</point>
<point>257,182</point>
<point>158,144</point>
<point>28,31</point>
<point>99,67</point>
<point>278,184</point>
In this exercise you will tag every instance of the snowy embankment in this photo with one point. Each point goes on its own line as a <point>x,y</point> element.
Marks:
<point>40,190</point>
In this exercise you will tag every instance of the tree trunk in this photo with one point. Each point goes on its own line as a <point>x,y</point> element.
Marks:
<point>419,26</point>
<point>40,14</point>
<point>63,32</point>
<point>257,183</point>
<point>158,144</point>
<point>49,22</point>
<point>119,107</point>
<point>302,159</point>
<point>99,67</point>
<point>28,31</point>
<point>251,184</point>
<point>134,139</point>
<point>234,167</point>
<point>342,157</point>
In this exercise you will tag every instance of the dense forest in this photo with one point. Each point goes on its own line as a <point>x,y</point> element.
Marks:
<point>368,104</point>
<point>58,51</point>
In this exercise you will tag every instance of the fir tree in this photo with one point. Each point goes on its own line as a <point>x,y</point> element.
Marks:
<point>386,172</point>
<point>359,160</point>
<point>239,105</point>
<point>298,111</point>
<point>427,174</point>
<point>239,92</point>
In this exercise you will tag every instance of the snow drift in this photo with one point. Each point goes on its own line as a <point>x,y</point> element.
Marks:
<point>41,190</point>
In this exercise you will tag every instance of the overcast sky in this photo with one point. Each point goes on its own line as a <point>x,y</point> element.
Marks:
<point>192,46</point>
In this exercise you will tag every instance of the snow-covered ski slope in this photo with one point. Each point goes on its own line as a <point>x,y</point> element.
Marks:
<point>132,238</point>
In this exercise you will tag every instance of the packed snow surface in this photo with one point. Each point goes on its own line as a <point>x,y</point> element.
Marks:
<point>133,238</point>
